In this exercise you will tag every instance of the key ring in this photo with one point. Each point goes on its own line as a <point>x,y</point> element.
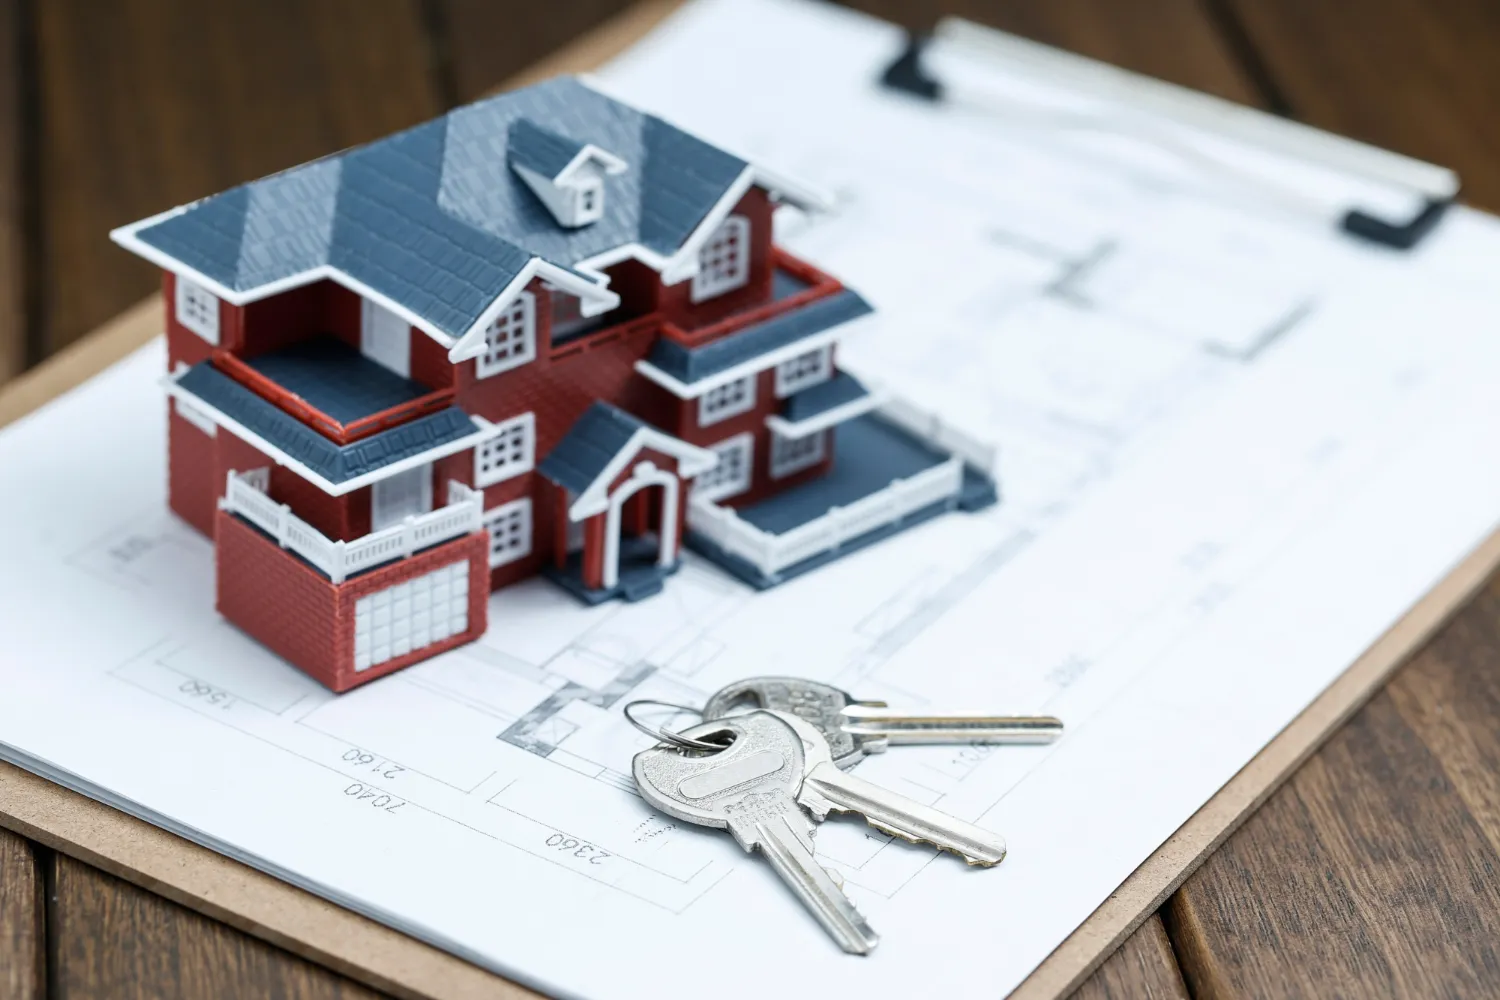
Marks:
<point>666,735</point>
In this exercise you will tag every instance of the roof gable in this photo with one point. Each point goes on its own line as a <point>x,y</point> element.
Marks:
<point>599,446</point>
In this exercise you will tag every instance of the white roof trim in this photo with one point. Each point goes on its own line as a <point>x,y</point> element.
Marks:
<point>487,430</point>
<point>596,299</point>
<point>607,161</point>
<point>691,461</point>
<point>759,363</point>
<point>828,418</point>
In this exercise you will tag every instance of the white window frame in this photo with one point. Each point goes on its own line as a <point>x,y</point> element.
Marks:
<point>793,375</point>
<point>520,509</point>
<point>712,485</point>
<point>727,400</point>
<point>197,309</point>
<point>714,278</point>
<point>787,456</point>
<point>394,498</point>
<point>524,310</point>
<point>508,434</point>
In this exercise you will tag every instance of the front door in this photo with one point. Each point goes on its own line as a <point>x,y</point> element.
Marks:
<point>385,338</point>
<point>395,498</point>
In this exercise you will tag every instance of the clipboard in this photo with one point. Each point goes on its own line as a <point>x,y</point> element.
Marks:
<point>362,949</point>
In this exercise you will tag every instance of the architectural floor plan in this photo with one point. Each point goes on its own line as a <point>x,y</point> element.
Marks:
<point>1210,419</point>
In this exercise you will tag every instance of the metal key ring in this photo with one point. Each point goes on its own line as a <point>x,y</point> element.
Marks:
<point>666,735</point>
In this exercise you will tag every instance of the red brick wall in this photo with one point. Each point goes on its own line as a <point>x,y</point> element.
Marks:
<point>676,300</point>
<point>301,616</point>
<point>191,465</point>
<point>183,345</point>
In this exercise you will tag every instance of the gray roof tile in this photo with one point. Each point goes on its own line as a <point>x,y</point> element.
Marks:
<point>694,364</point>
<point>826,395</point>
<point>590,444</point>
<point>333,462</point>
<point>435,219</point>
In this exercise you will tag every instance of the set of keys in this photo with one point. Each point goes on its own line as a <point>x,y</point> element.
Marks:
<point>771,773</point>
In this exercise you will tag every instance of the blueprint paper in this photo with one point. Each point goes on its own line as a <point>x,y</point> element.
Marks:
<point>1235,448</point>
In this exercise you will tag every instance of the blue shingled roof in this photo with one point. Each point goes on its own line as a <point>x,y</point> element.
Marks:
<point>333,462</point>
<point>826,395</point>
<point>434,218</point>
<point>692,364</point>
<point>540,149</point>
<point>589,446</point>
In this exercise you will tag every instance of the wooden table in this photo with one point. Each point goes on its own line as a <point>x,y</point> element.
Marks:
<point>1374,871</point>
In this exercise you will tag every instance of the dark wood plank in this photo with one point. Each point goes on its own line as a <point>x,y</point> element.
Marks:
<point>22,916</point>
<point>1418,76</point>
<point>484,43</point>
<point>146,104</point>
<point>1170,39</point>
<point>113,939</point>
<point>487,43</point>
<point>1450,697</point>
<point>1376,870</point>
<point>12,238</point>
<point>1143,968</point>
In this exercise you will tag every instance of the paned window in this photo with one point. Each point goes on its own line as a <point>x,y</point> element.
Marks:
<point>198,309</point>
<point>727,400</point>
<point>510,340</point>
<point>804,370</point>
<point>732,475</point>
<point>510,452</point>
<point>509,526</point>
<point>789,455</point>
<point>724,261</point>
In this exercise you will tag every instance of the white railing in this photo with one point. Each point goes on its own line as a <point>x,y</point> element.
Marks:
<point>932,429</point>
<point>773,553</point>
<point>245,495</point>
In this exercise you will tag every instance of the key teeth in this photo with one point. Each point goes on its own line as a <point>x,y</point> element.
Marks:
<point>972,862</point>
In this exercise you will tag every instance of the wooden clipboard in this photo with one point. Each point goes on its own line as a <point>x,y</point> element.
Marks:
<point>362,949</point>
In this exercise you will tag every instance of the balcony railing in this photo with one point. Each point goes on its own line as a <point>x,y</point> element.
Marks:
<point>245,496</point>
<point>770,554</point>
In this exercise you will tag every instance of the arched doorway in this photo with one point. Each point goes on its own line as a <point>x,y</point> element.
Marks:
<point>645,476</point>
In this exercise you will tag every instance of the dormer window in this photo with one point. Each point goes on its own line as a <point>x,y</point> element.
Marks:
<point>590,202</point>
<point>567,175</point>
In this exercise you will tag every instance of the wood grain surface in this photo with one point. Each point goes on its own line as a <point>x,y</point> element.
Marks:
<point>1373,872</point>
<point>22,922</point>
<point>1143,968</point>
<point>13,336</point>
<point>1418,76</point>
<point>111,939</point>
<point>148,104</point>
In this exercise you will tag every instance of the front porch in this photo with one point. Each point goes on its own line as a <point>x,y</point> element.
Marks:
<point>891,470</point>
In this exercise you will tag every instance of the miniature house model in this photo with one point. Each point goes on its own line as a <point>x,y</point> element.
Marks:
<point>543,333</point>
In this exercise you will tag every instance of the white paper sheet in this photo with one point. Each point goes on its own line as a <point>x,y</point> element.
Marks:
<point>1235,447</point>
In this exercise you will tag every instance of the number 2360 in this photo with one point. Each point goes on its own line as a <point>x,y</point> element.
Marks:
<point>578,848</point>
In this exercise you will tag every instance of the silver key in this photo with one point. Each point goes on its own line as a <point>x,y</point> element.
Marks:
<point>749,789</point>
<point>827,789</point>
<point>854,728</point>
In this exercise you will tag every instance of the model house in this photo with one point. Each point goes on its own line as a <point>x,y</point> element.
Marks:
<point>543,333</point>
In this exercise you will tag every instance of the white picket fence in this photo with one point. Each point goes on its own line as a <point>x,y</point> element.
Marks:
<point>943,436</point>
<point>773,553</point>
<point>245,495</point>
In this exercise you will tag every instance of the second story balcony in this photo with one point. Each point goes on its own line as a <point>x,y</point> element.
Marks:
<point>331,387</point>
